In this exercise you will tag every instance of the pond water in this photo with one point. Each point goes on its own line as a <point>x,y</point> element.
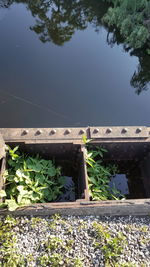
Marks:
<point>60,67</point>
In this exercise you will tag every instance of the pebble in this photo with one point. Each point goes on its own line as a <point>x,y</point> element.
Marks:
<point>30,239</point>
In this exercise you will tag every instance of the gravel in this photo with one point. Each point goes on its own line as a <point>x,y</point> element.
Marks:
<point>78,235</point>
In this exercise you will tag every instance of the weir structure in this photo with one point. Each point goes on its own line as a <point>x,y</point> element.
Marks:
<point>124,145</point>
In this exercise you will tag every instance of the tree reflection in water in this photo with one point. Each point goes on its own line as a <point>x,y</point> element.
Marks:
<point>141,77</point>
<point>57,21</point>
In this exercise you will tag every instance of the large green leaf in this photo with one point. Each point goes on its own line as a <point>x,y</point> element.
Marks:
<point>25,202</point>
<point>22,193</point>
<point>2,193</point>
<point>51,172</point>
<point>12,204</point>
<point>93,180</point>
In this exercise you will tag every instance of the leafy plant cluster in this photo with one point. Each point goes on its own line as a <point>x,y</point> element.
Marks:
<point>30,180</point>
<point>53,257</point>
<point>58,251</point>
<point>8,251</point>
<point>99,175</point>
<point>57,259</point>
<point>111,246</point>
<point>132,18</point>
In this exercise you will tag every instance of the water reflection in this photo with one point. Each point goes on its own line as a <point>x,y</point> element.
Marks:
<point>141,77</point>
<point>57,21</point>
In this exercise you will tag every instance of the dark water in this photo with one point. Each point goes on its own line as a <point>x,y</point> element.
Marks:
<point>128,181</point>
<point>69,190</point>
<point>120,182</point>
<point>59,67</point>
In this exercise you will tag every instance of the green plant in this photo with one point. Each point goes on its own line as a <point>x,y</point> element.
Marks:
<point>56,259</point>
<point>99,176</point>
<point>8,252</point>
<point>127,264</point>
<point>54,242</point>
<point>53,260</point>
<point>29,260</point>
<point>30,180</point>
<point>37,221</point>
<point>77,262</point>
<point>85,140</point>
<point>111,246</point>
